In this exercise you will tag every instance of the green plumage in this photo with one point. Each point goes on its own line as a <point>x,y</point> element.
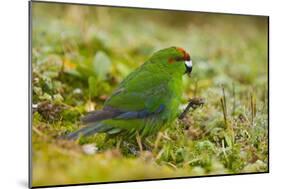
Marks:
<point>148,98</point>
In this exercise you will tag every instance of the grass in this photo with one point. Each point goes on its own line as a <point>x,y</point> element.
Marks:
<point>80,54</point>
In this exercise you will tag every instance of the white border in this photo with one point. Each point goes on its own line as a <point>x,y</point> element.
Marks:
<point>14,96</point>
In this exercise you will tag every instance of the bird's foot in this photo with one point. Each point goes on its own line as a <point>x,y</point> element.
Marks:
<point>193,103</point>
<point>196,102</point>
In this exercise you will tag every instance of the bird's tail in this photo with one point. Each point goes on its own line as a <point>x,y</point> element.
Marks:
<point>90,129</point>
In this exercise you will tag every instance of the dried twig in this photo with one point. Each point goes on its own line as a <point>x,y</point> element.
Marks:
<point>224,107</point>
<point>234,99</point>
<point>253,108</point>
<point>139,141</point>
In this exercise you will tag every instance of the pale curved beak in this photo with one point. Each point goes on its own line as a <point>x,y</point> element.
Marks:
<point>188,66</point>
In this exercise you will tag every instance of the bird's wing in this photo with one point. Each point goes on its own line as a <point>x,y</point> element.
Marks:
<point>143,90</point>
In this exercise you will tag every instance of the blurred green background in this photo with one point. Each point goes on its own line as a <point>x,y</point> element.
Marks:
<point>81,53</point>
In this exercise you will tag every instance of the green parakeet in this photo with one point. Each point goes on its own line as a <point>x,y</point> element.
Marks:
<point>145,101</point>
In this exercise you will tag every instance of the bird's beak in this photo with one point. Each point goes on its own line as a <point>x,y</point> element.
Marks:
<point>188,66</point>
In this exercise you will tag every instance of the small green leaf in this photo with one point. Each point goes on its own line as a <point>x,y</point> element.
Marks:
<point>37,90</point>
<point>45,96</point>
<point>228,140</point>
<point>58,98</point>
<point>101,65</point>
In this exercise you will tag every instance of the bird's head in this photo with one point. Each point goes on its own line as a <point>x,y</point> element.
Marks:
<point>174,60</point>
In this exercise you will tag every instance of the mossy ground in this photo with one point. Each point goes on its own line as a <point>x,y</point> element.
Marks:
<point>80,54</point>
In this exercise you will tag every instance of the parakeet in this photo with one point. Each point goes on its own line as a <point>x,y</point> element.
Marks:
<point>147,100</point>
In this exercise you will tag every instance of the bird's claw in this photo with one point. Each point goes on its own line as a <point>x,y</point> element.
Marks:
<point>193,103</point>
